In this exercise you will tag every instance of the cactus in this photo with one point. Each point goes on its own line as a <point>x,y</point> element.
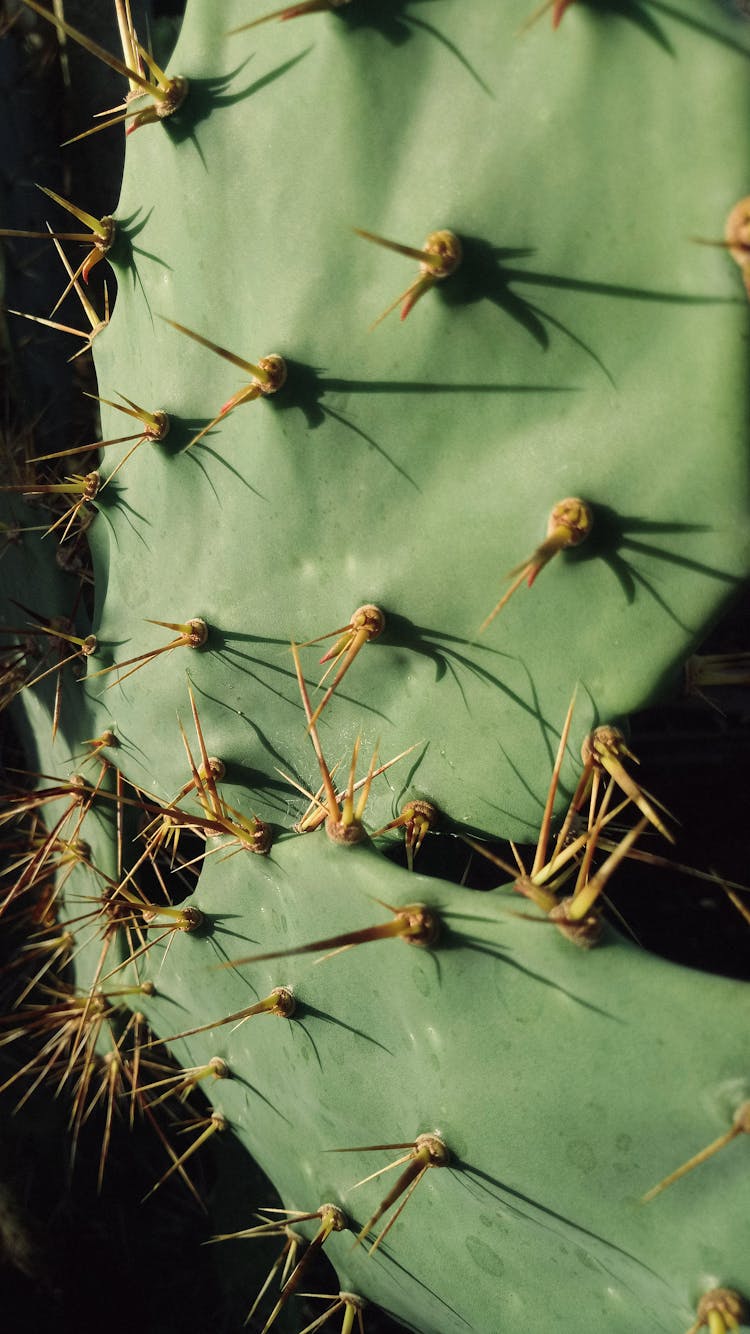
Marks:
<point>276,482</point>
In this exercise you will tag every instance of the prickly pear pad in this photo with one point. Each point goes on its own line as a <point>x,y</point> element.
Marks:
<point>586,346</point>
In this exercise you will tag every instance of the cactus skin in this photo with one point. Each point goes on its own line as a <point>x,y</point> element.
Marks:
<point>292,513</point>
<point>456,413</point>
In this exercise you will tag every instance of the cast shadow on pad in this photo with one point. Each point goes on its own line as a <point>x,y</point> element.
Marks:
<point>488,274</point>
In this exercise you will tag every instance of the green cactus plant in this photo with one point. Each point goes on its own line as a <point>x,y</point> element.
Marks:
<point>577,346</point>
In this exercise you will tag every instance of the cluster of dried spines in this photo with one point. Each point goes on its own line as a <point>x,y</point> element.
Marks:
<point>90,1043</point>
<point>563,882</point>
<point>199,808</point>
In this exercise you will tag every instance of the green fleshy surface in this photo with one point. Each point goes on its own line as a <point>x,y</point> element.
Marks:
<point>565,1085</point>
<point>414,465</point>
